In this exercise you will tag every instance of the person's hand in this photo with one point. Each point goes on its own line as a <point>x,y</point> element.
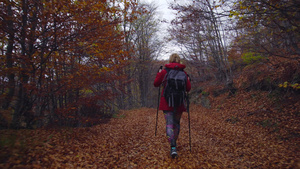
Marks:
<point>160,69</point>
<point>188,76</point>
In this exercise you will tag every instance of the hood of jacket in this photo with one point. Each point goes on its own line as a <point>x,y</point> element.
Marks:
<point>175,66</point>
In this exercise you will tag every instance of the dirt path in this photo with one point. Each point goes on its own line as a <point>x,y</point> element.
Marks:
<point>129,142</point>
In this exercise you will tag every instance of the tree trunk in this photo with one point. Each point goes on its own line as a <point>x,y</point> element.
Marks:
<point>9,60</point>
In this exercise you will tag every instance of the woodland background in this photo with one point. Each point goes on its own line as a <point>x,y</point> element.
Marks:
<point>81,63</point>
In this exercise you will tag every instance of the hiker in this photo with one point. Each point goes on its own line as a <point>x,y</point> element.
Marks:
<point>172,116</point>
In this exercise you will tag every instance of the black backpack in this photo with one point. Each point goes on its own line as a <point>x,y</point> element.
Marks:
<point>175,87</point>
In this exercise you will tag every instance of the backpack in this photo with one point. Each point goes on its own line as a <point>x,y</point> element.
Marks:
<point>175,87</point>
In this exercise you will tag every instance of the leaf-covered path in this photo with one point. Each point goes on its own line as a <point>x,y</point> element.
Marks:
<point>128,141</point>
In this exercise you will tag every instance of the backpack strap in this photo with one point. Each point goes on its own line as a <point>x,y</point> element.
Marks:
<point>168,70</point>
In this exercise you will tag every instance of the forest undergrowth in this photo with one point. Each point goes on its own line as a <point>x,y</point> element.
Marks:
<point>243,131</point>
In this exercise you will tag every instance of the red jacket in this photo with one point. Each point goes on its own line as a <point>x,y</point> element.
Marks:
<point>163,105</point>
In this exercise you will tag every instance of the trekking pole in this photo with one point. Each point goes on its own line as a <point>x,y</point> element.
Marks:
<point>157,109</point>
<point>188,110</point>
<point>158,99</point>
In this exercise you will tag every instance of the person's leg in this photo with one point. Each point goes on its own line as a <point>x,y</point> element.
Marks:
<point>172,126</point>
<point>176,123</point>
<point>169,116</point>
<point>172,129</point>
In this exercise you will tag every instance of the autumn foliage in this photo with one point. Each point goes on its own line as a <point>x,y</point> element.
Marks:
<point>76,76</point>
<point>56,56</point>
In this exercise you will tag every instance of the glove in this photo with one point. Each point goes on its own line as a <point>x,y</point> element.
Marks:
<point>160,69</point>
<point>189,77</point>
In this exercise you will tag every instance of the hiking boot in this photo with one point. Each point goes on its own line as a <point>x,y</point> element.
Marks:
<point>174,152</point>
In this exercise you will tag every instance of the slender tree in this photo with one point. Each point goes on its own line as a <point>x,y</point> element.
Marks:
<point>146,45</point>
<point>198,29</point>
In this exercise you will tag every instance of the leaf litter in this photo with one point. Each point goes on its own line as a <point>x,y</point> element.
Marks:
<point>226,136</point>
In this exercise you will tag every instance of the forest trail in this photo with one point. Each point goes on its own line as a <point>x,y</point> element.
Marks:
<point>128,141</point>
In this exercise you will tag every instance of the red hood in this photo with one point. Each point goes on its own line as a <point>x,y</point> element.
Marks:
<point>175,66</point>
